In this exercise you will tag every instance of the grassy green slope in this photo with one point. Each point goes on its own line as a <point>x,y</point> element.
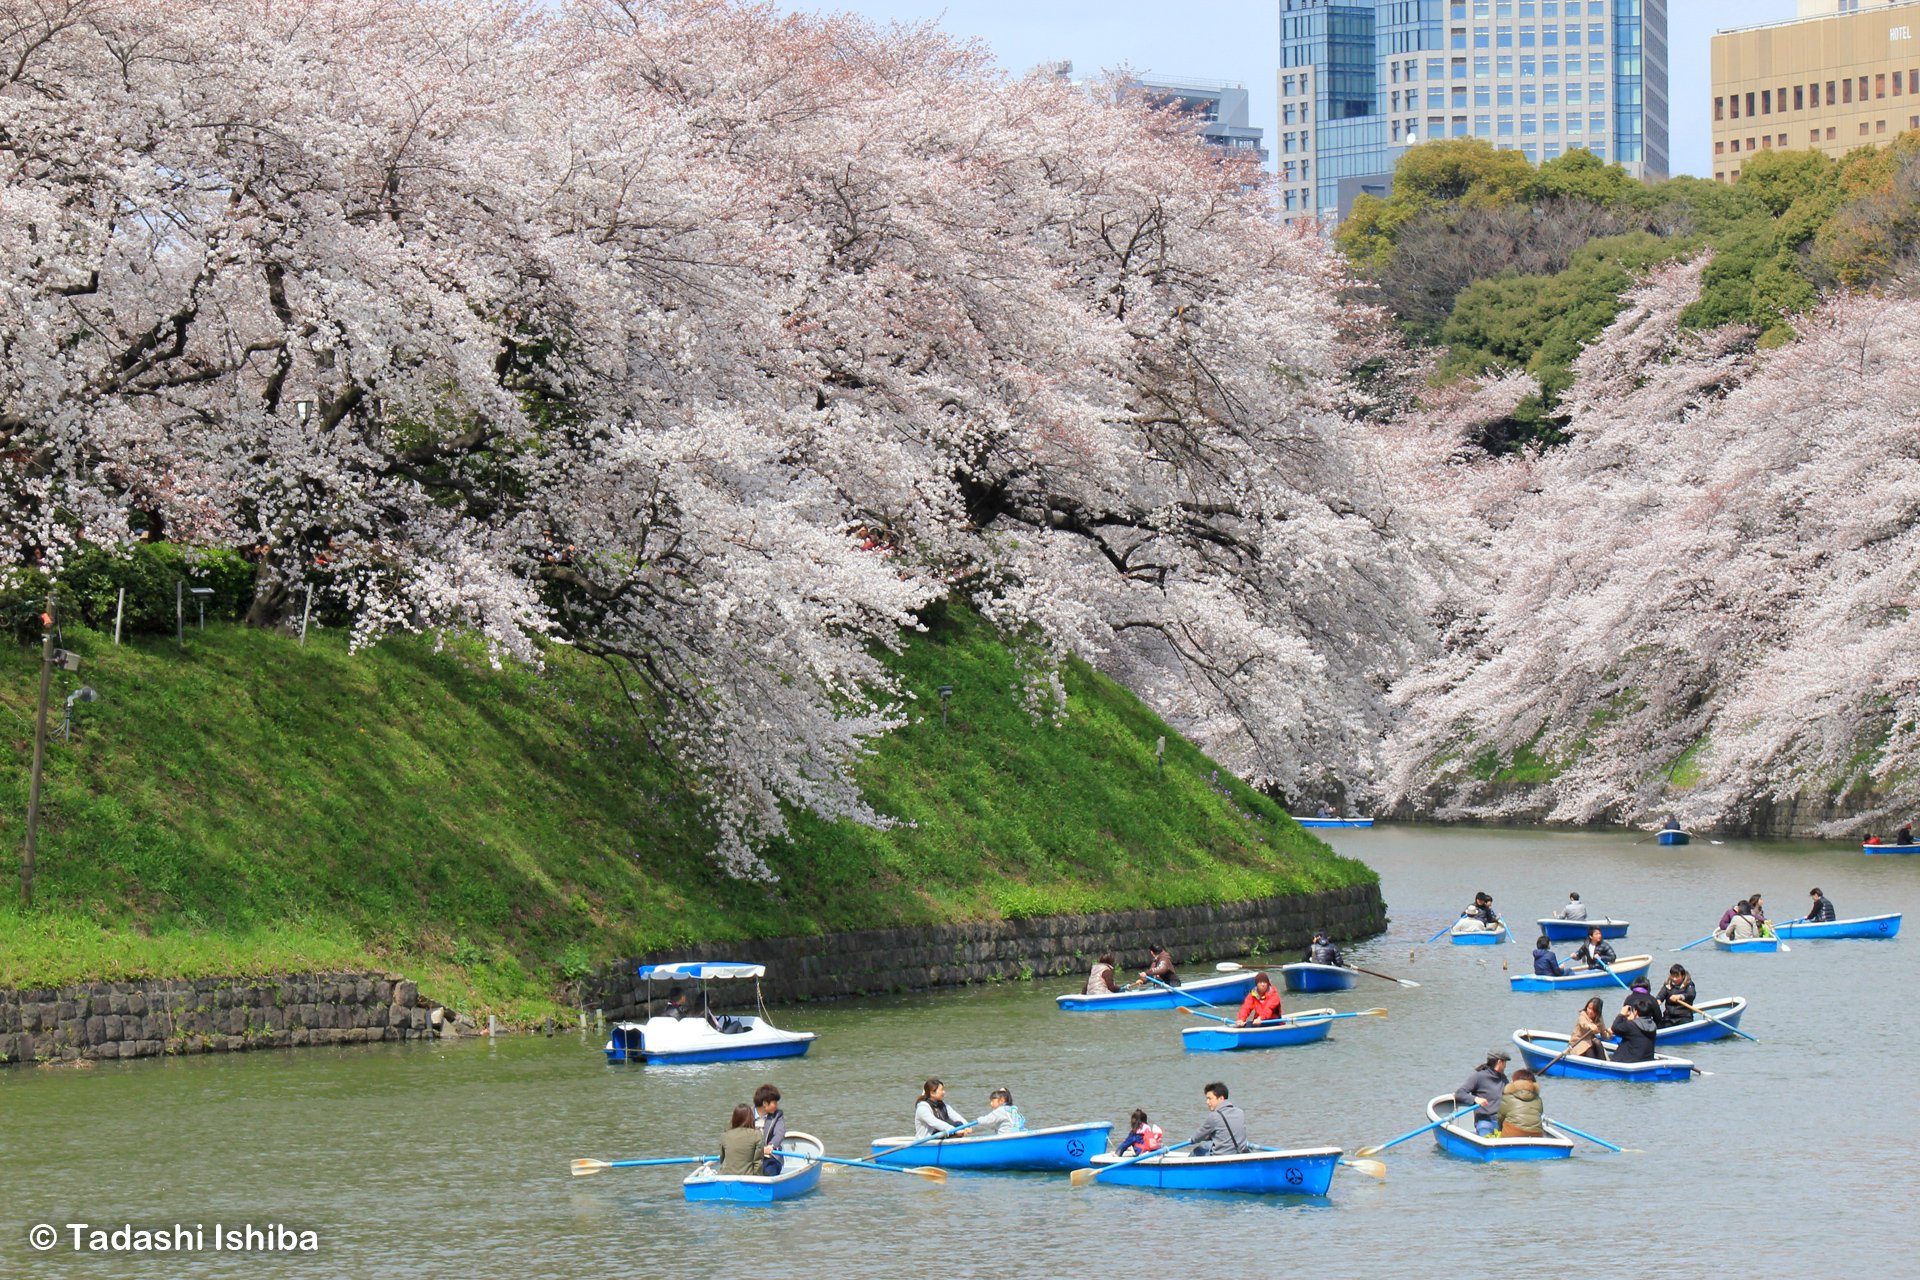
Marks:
<point>253,806</point>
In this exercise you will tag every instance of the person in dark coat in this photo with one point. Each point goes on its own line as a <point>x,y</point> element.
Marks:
<point>1676,992</point>
<point>1159,967</point>
<point>1635,1034</point>
<point>1322,951</point>
<point>1485,1086</point>
<point>1595,953</point>
<point>1545,963</point>
<point>1904,835</point>
<point>1822,909</point>
<point>773,1128</point>
<point>1482,910</point>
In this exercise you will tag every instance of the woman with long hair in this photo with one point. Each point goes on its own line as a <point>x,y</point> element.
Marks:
<point>741,1146</point>
<point>932,1115</point>
<point>1588,1031</point>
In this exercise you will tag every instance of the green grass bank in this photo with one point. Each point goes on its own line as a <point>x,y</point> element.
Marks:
<point>252,806</point>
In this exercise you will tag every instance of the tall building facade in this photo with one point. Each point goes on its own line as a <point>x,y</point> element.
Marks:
<point>1359,83</point>
<point>1847,78</point>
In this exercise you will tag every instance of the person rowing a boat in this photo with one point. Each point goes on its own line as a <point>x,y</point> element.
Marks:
<point>1676,997</point>
<point>1322,951</point>
<point>1521,1111</point>
<point>1574,910</point>
<point>741,1149</point>
<point>932,1115</point>
<point>1100,981</point>
<point>1588,1031</point>
<point>1485,1086</point>
<point>1635,1032</point>
<point>1822,909</point>
<point>773,1128</point>
<point>1262,1003</point>
<point>1159,968</point>
<point>1595,953</point>
<point>1225,1130</point>
<point>1545,963</point>
<point>1905,834</point>
<point>1325,811</point>
<point>1672,824</point>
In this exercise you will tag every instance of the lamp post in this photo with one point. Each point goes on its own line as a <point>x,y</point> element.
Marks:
<point>200,595</point>
<point>85,693</point>
<point>946,694</point>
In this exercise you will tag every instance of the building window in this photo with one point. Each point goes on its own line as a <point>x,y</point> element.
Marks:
<point>1750,142</point>
<point>1396,131</point>
<point>1459,68</point>
<point>1750,106</point>
<point>1573,94</point>
<point>1799,98</point>
<point>1832,133</point>
<point>1736,144</point>
<point>1436,68</point>
<point>1526,65</point>
<point>1766,102</point>
<point>1526,37</point>
<point>1528,150</point>
<point>1436,98</point>
<point>1913,80</point>
<point>1506,64</point>
<point>1482,96</point>
<point>1550,94</point>
<point>1527,95</point>
<point>1767,142</point>
<point>1550,37</point>
<point>1504,38</point>
<point>1898,80</point>
<point>1573,122</point>
<point>1483,126</point>
<point>1863,88</point>
<point>1719,148</point>
<point>1829,93</point>
<point>1596,94</point>
<point>1506,95</point>
<point>1879,86</point>
<point>1553,151</point>
<point>1813,136</point>
<point>1550,125</point>
<point>1459,126</point>
<point>1863,128</point>
<point>1573,34</point>
<point>1719,108</point>
<point>1736,106</point>
<point>1879,126</point>
<point>1736,175</point>
<point>1720,177</point>
<point>1482,68</point>
<point>1459,37</point>
<point>1482,38</point>
<point>1528,126</point>
<point>1549,66</point>
<point>1783,140</point>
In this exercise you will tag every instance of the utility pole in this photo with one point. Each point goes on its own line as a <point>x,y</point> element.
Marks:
<point>39,749</point>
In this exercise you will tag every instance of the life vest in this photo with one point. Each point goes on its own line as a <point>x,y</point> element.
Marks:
<point>1151,1136</point>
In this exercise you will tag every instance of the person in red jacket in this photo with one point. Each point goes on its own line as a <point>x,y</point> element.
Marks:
<point>1262,1003</point>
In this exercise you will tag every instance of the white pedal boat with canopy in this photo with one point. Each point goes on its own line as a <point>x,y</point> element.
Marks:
<point>705,1037</point>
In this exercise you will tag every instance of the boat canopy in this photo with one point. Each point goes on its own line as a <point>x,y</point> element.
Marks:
<point>703,969</point>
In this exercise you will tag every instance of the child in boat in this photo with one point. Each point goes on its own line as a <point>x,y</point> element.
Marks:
<point>932,1115</point>
<point>773,1128</point>
<point>1545,963</point>
<point>1520,1112</point>
<point>1595,953</point>
<point>740,1146</point>
<point>1142,1136</point>
<point>1588,1031</point>
<point>1262,1003</point>
<point>1100,981</point>
<point>1002,1116</point>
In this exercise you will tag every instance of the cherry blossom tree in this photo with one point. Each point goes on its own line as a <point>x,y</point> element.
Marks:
<point>710,341</point>
<point>1704,600</point>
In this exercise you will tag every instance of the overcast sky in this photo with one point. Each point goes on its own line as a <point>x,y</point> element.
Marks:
<point>1240,40</point>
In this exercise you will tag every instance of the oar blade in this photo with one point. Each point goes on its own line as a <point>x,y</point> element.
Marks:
<point>587,1168</point>
<point>1083,1177</point>
<point>1372,1013</point>
<point>1372,1168</point>
<point>930,1173</point>
<point>1369,1151</point>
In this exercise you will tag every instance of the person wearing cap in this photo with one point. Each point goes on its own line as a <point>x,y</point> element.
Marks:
<point>1262,1003</point>
<point>1485,1086</point>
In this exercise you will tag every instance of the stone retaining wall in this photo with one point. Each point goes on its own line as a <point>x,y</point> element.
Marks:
<point>208,1015</point>
<point>1798,817</point>
<point>877,960</point>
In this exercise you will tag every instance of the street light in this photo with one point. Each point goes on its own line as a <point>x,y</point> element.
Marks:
<point>946,693</point>
<point>200,595</point>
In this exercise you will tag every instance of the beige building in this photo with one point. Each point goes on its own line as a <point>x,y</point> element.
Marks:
<point>1848,76</point>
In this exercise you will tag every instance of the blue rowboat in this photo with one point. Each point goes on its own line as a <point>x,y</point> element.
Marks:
<point>797,1176</point>
<point>1217,992</point>
<point>1318,977</point>
<point>1627,967</point>
<point>1306,1172</point>
<point>1475,933</point>
<point>1767,945</point>
<point>1541,1047</point>
<point>1728,1009</point>
<point>1334,822</point>
<point>1890,848</point>
<point>1065,1146</point>
<point>1459,1139</point>
<point>1557,930</point>
<point>1301,1028</point>
<point>1675,837</point>
<point>1859,927</point>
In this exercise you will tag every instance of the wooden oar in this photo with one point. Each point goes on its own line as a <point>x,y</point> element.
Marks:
<point>1710,1018</point>
<point>1372,1168</point>
<point>1561,1124</point>
<point>1405,982</point>
<point>926,1171</point>
<point>1085,1177</point>
<point>587,1168</point>
<point>1374,1151</point>
<point>1195,995</point>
